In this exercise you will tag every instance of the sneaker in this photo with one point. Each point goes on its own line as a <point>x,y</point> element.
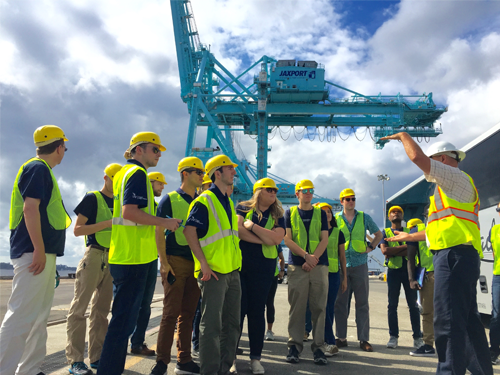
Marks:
<point>233,370</point>
<point>80,368</point>
<point>269,335</point>
<point>319,358</point>
<point>341,343</point>
<point>424,351</point>
<point>256,367</point>
<point>187,368</point>
<point>494,358</point>
<point>306,337</point>
<point>393,342</point>
<point>195,353</point>
<point>143,350</point>
<point>95,364</point>
<point>159,369</point>
<point>293,355</point>
<point>418,342</point>
<point>330,350</point>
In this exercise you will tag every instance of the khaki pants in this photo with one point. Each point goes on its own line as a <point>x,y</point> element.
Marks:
<point>427,298</point>
<point>92,279</point>
<point>304,286</point>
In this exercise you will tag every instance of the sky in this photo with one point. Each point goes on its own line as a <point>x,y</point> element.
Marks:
<point>104,70</point>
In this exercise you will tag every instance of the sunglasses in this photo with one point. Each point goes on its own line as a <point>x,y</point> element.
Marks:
<point>498,209</point>
<point>350,199</point>
<point>272,190</point>
<point>305,191</point>
<point>199,172</point>
<point>155,149</point>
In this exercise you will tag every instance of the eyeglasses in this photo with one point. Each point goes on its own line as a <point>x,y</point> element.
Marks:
<point>350,199</point>
<point>155,149</point>
<point>306,191</point>
<point>199,172</point>
<point>272,190</point>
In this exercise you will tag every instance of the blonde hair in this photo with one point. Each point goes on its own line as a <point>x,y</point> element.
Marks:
<point>276,208</point>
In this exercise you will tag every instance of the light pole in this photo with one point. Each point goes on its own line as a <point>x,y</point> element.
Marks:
<point>383,178</point>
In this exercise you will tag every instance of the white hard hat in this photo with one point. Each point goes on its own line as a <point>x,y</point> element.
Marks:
<point>448,148</point>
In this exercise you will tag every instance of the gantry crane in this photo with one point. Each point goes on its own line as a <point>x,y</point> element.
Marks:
<point>282,94</point>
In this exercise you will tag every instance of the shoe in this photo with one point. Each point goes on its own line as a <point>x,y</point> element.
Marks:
<point>424,351</point>
<point>159,369</point>
<point>494,358</point>
<point>195,353</point>
<point>233,370</point>
<point>330,350</point>
<point>306,337</point>
<point>269,335</point>
<point>143,350</point>
<point>40,373</point>
<point>418,342</point>
<point>319,358</point>
<point>293,355</point>
<point>256,367</point>
<point>95,364</point>
<point>365,345</point>
<point>187,368</point>
<point>341,343</point>
<point>80,368</point>
<point>393,342</point>
<point>239,351</point>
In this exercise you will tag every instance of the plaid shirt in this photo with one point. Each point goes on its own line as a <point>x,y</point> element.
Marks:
<point>454,183</point>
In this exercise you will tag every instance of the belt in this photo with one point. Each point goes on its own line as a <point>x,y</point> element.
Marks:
<point>98,247</point>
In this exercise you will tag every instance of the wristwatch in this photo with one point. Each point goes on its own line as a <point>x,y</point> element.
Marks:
<point>371,247</point>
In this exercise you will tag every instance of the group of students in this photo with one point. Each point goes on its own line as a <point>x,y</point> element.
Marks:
<point>219,259</point>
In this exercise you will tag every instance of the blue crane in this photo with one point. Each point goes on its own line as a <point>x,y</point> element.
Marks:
<point>271,95</point>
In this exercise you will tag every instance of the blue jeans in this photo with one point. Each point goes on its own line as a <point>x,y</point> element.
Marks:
<point>139,335</point>
<point>459,334</point>
<point>130,284</point>
<point>396,278</point>
<point>495,316</point>
<point>195,340</point>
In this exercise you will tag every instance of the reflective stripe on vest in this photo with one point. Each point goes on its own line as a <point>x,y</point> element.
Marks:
<point>452,223</point>
<point>220,244</point>
<point>358,232</point>
<point>299,233</point>
<point>131,243</point>
<point>333,250</point>
<point>103,237</point>
<point>180,210</point>
<point>395,262</point>
<point>56,213</point>
<point>268,251</point>
<point>495,243</point>
<point>426,257</point>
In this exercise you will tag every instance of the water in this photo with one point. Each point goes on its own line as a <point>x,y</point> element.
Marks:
<point>10,273</point>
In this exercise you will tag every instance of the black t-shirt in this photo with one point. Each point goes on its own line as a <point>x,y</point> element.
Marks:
<point>36,182</point>
<point>136,189</point>
<point>306,217</point>
<point>164,210</point>
<point>88,208</point>
<point>253,260</point>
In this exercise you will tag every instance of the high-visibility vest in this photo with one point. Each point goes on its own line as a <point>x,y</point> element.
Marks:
<point>495,243</point>
<point>397,261</point>
<point>131,243</point>
<point>269,251</point>
<point>103,237</point>
<point>56,213</point>
<point>299,233</point>
<point>357,235</point>
<point>452,223</point>
<point>220,244</point>
<point>333,250</point>
<point>180,210</point>
<point>425,255</point>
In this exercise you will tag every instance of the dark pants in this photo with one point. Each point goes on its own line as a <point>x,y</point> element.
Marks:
<point>130,283</point>
<point>495,316</point>
<point>396,278</point>
<point>254,291</point>
<point>270,311</point>
<point>139,335</point>
<point>459,334</point>
<point>195,339</point>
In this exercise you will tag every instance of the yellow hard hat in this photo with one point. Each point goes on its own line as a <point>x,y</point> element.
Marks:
<point>206,180</point>
<point>157,176</point>
<point>143,137</point>
<point>190,162</point>
<point>323,205</point>
<point>112,169</point>
<point>346,193</point>
<point>264,183</point>
<point>413,223</point>
<point>393,208</point>
<point>46,134</point>
<point>304,184</point>
<point>216,162</point>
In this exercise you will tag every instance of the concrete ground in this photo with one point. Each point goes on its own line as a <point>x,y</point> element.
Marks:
<point>382,361</point>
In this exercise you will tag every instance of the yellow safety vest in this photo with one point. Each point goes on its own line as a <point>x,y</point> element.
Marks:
<point>56,213</point>
<point>452,223</point>
<point>131,243</point>
<point>397,261</point>
<point>495,243</point>
<point>269,251</point>
<point>333,251</point>
<point>180,210</point>
<point>220,244</point>
<point>358,233</point>
<point>299,233</point>
<point>426,257</point>
<point>103,237</point>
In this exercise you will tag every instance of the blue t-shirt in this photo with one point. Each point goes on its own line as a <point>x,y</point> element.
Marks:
<point>36,182</point>
<point>136,189</point>
<point>253,260</point>
<point>306,217</point>
<point>164,210</point>
<point>414,230</point>
<point>88,208</point>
